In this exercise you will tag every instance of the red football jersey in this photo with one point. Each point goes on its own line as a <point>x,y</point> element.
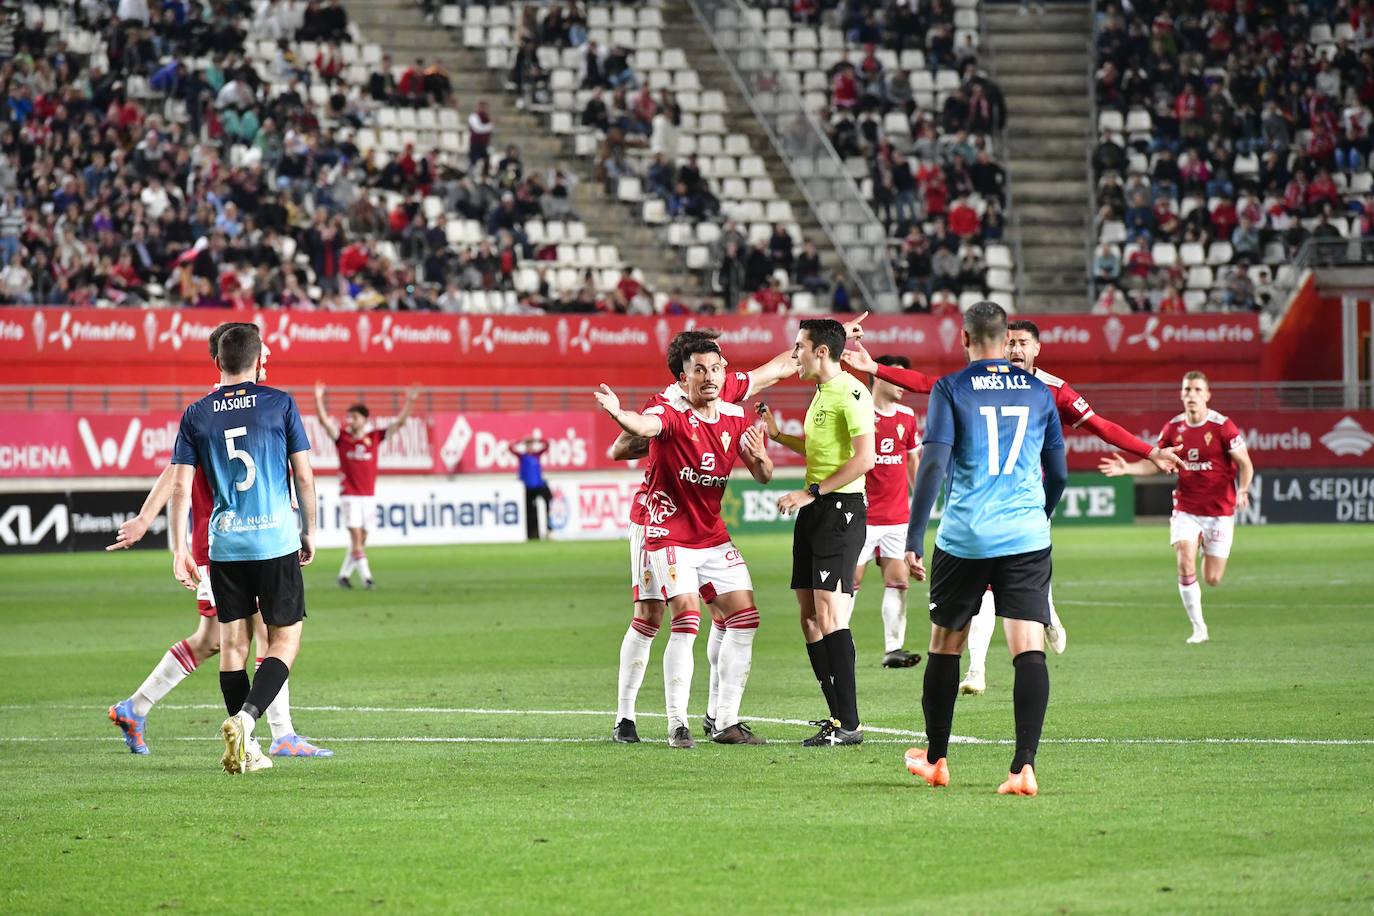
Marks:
<point>1207,483</point>
<point>689,464</point>
<point>733,390</point>
<point>894,436</point>
<point>358,462</point>
<point>202,504</point>
<point>1073,409</point>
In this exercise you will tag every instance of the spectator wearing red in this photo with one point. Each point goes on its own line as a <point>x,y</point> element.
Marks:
<point>844,93</point>
<point>353,259</point>
<point>412,84</point>
<point>1172,303</point>
<point>937,193</point>
<point>771,300</point>
<point>870,68</point>
<point>1224,218</point>
<point>963,219</point>
<point>1322,190</point>
<point>627,290</point>
<point>1189,110</point>
<point>1139,261</point>
<point>329,63</point>
<point>1295,195</point>
<point>1321,149</point>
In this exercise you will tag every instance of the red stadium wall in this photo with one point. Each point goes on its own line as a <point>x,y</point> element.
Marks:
<point>55,346</point>
<point>1307,345</point>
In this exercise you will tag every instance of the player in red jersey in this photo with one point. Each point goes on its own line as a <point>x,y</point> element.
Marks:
<point>185,656</point>
<point>888,488</point>
<point>358,448</point>
<point>646,590</point>
<point>1206,497</point>
<point>691,453</point>
<point>1023,348</point>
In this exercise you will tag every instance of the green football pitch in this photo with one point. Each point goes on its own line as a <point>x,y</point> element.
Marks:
<point>470,698</point>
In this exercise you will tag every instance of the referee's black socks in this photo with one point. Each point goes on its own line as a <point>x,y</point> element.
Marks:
<point>1030,697</point>
<point>939,690</point>
<point>234,686</point>
<point>840,647</point>
<point>820,666</point>
<point>272,673</point>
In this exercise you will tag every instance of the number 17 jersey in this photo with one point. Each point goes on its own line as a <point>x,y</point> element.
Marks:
<point>241,436</point>
<point>998,419</point>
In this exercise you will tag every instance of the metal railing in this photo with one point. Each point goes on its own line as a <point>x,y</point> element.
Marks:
<point>1090,226</point>
<point>1106,398</point>
<point>1011,217</point>
<point>818,171</point>
<point>1318,253</point>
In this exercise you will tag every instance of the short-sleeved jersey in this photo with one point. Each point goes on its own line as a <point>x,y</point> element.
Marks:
<point>1073,408</point>
<point>894,437</point>
<point>689,464</point>
<point>840,411</point>
<point>358,461</point>
<point>733,390</point>
<point>1207,481</point>
<point>997,419</point>
<point>242,436</point>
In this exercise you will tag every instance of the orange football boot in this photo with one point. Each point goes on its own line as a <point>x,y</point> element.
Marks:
<point>1022,783</point>
<point>935,774</point>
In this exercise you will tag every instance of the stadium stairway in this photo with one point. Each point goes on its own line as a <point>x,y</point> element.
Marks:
<point>683,30</point>
<point>400,27</point>
<point>1041,62</point>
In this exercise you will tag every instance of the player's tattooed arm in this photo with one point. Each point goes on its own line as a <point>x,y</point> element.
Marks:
<point>636,424</point>
<point>628,448</point>
<point>132,530</point>
<point>754,451</point>
<point>183,566</point>
<point>770,423</point>
<point>330,427</point>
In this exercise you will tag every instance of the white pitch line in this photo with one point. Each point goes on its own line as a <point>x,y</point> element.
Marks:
<point>1005,742</point>
<point>900,736</point>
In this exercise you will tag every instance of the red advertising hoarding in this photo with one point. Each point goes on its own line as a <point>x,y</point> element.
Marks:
<point>163,347</point>
<point>56,444</point>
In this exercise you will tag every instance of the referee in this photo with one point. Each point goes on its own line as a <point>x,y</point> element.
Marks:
<point>831,520</point>
<point>996,429</point>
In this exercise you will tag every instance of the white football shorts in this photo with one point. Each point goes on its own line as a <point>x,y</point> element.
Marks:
<point>1216,532</point>
<point>205,599</point>
<point>358,511</point>
<point>709,571</point>
<point>644,582</point>
<point>888,541</point>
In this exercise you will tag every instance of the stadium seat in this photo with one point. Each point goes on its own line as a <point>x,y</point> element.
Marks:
<point>1219,253</point>
<point>1191,254</point>
<point>698,257</point>
<point>1200,277</point>
<point>1164,254</point>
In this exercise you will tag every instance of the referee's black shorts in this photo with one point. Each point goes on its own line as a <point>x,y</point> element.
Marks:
<point>826,542</point>
<point>246,587</point>
<point>1020,587</point>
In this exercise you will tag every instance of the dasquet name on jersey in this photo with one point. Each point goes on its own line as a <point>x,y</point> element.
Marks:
<point>239,403</point>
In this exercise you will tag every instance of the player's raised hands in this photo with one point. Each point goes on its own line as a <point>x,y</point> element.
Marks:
<point>608,399</point>
<point>1166,459</point>
<point>755,442</point>
<point>1113,466</point>
<point>916,566</point>
<point>184,570</point>
<point>412,394</point>
<point>130,533</point>
<point>319,390</point>
<point>854,330</point>
<point>859,359</point>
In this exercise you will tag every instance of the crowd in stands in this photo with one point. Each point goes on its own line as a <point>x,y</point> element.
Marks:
<point>1231,132</point>
<point>931,176</point>
<point>150,157</point>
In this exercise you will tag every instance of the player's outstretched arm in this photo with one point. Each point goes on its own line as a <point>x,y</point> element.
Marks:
<point>330,427</point>
<point>754,451</point>
<point>636,424</point>
<point>770,373</point>
<point>628,448</point>
<point>1241,456</point>
<point>183,566</point>
<point>412,395</point>
<point>860,360</point>
<point>770,423</point>
<point>305,494</point>
<point>1111,433</point>
<point>132,530</point>
<point>1055,463</point>
<point>1116,466</point>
